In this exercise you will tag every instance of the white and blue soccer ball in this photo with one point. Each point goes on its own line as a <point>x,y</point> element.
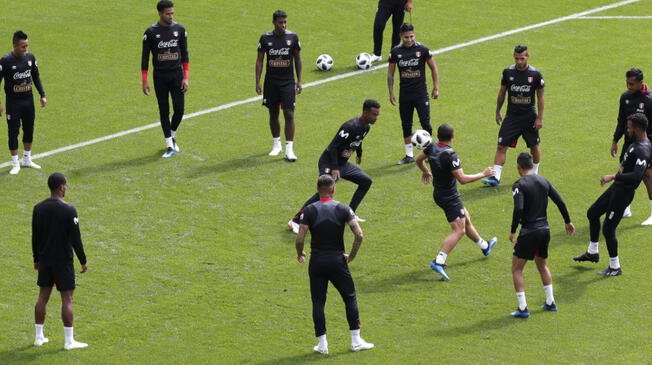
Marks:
<point>324,62</point>
<point>421,139</point>
<point>363,60</point>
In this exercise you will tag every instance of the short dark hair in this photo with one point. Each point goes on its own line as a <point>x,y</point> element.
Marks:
<point>164,4</point>
<point>525,161</point>
<point>325,181</point>
<point>639,120</point>
<point>279,14</point>
<point>445,132</point>
<point>520,48</point>
<point>635,72</point>
<point>406,27</point>
<point>370,103</point>
<point>55,180</point>
<point>19,35</point>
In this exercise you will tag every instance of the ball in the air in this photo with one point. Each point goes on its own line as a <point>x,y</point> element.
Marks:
<point>421,139</point>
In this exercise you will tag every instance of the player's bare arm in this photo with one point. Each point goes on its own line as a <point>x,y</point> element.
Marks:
<point>538,123</point>
<point>297,68</point>
<point>435,77</point>
<point>299,243</point>
<point>499,103</point>
<point>462,178</point>
<point>357,240</point>
<point>259,72</point>
<point>426,175</point>
<point>391,69</point>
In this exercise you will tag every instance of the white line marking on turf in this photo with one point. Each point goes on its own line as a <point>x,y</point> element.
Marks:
<point>617,17</point>
<point>334,78</point>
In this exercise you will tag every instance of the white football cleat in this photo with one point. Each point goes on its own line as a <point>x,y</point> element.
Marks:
<point>359,220</point>
<point>276,150</point>
<point>321,350</point>
<point>647,222</point>
<point>15,168</point>
<point>27,162</point>
<point>361,346</point>
<point>294,226</point>
<point>375,58</point>
<point>290,156</point>
<point>75,345</point>
<point>40,341</point>
<point>627,213</point>
<point>175,145</point>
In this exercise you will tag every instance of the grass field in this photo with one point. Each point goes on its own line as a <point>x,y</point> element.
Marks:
<point>190,261</point>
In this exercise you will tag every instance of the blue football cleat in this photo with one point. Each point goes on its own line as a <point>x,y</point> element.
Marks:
<point>492,181</point>
<point>520,313</point>
<point>492,243</point>
<point>169,152</point>
<point>439,269</point>
<point>550,307</point>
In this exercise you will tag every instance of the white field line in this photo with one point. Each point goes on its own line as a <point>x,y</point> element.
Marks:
<point>617,17</point>
<point>334,78</point>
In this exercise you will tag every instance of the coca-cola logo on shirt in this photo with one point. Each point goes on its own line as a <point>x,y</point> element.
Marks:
<point>22,75</point>
<point>279,52</point>
<point>409,63</point>
<point>168,44</point>
<point>521,88</point>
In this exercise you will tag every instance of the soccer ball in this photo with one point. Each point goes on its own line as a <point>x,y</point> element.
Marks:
<point>324,62</point>
<point>421,139</point>
<point>363,60</point>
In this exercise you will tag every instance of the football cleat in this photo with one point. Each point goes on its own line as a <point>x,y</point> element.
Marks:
<point>361,346</point>
<point>611,272</point>
<point>15,168</point>
<point>27,162</point>
<point>321,350</point>
<point>293,226</point>
<point>375,58</point>
<point>550,307</point>
<point>491,181</point>
<point>176,146</point>
<point>586,256</point>
<point>439,269</point>
<point>647,222</point>
<point>627,212</point>
<point>290,156</point>
<point>359,220</point>
<point>40,341</point>
<point>405,160</point>
<point>276,150</point>
<point>491,244</point>
<point>74,345</point>
<point>520,313</point>
<point>169,152</point>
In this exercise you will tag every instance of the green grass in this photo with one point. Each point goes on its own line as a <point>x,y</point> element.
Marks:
<point>189,258</point>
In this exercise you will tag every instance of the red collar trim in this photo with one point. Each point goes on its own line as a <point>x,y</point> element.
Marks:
<point>441,144</point>
<point>324,200</point>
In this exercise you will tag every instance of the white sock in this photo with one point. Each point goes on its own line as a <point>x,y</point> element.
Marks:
<point>549,298</point>
<point>593,248</point>
<point>169,143</point>
<point>499,171</point>
<point>322,341</point>
<point>39,331</point>
<point>536,168</point>
<point>277,141</point>
<point>522,304</point>
<point>69,334</point>
<point>614,263</point>
<point>27,154</point>
<point>441,258</point>
<point>173,133</point>
<point>355,337</point>
<point>14,159</point>
<point>408,150</point>
<point>482,244</point>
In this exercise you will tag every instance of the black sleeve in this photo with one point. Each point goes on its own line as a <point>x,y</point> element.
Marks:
<point>621,125</point>
<point>262,46</point>
<point>144,61</point>
<point>454,162</point>
<point>36,77</point>
<point>35,236</point>
<point>340,140</point>
<point>518,206</point>
<point>636,175</point>
<point>358,151</point>
<point>75,236</point>
<point>556,198</point>
<point>426,53</point>
<point>503,79</point>
<point>306,216</point>
<point>540,84</point>
<point>184,45</point>
<point>345,213</point>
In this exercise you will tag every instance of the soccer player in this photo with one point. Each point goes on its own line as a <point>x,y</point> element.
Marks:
<point>167,41</point>
<point>412,58</point>
<point>19,70</point>
<point>447,170</point>
<point>619,195</point>
<point>55,233</point>
<point>283,51</point>
<point>520,81</point>
<point>388,8</point>
<point>637,99</point>
<point>326,220</point>
<point>531,193</point>
<point>335,158</point>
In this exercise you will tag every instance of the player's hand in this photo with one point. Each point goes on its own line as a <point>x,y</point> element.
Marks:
<point>408,6</point>
<point>426,177</point>
<point>84,268</point>
<point>348,258</point>
<point>335,174</point>
<point>606,178</point>
<point>299,88</point>
<point>511,238</point>
<point>435,93</point>
<point>570,229</point>
<point>538,124</point>
<point>358,159</point>
<point>184,85</point>
<point>302,258</point>
<point>488,171</point>
<point>146,88</point>
<point>392,98</point>
<point>44,102</point>
<point>499,118</point>
<point>614,149</point>
<point>36,266</point>
<point>259,89</point>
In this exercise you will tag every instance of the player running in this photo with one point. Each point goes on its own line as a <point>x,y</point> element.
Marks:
<point>167,41</point>
<point>531,193</point>
<point>619,195</point>
<point>335,158</point>
<point>19,70</point>
<point>283,49</point>
<point>637,99</point>
<point>520,81</point>
<point>326,220</point>
<point>411,57</point>
<point>447,170</point>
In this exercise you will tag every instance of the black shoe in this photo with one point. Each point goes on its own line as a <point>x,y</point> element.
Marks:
<point>611,272</point>
<point>549,307</point>
<point>406,160</point>
<point>586,256</point>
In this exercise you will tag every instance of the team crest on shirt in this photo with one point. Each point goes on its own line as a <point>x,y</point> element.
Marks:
<point>511,78</point>
<point>400,56</point>
<point>530,79</point>
<point>641,105</point>
<point>269,44</point>
<point>418,54</point>
<point>13,67</point>
<point>288,42</point>
<point>626,101</point>
<point>175,33</point>
<point>158,36</point>
<point>29,63</point>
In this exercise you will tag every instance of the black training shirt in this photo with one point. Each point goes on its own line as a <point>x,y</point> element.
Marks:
<point>630,103</point>
<point>55,232</point>
<point>168,46</point>
<point>635,161</point>
<point>327,219</point>
<point>443,161</point>
<point>531,193</point>
<point>348,139</point>
<point>18,74</point>
<point>411,64</point>
<point>521,86</point>
<point>280,50</point>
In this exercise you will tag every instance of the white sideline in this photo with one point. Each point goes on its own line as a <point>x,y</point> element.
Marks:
<point>617,17</point>
<point>323,81</point>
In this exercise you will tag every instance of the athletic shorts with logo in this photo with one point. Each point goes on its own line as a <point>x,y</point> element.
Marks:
<point>452,206</point>
<point>279,94</point>
<point>514,127</point>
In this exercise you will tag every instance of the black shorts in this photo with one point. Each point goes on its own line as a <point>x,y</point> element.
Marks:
<point>452,207</point>
<point>532,243</point>
<point>60,274</point>
<point>20,112</point>
<point>277,94</point>
<point>406,108</point>
<point>512,128</point>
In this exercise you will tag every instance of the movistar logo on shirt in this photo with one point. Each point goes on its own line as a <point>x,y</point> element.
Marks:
<point>641,162</point>
<point>76,220</point>
<point>344,134</point>
<point>456,163</point>
<point>515,192</point>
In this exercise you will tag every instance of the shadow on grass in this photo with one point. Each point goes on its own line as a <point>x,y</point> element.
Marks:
<point>306,358</point>
<point>409,170</point>
<point>574,286</point>
<point>27,354</point>
<point>241,163</point>
<point>117,165</point>
<point>478,327</point>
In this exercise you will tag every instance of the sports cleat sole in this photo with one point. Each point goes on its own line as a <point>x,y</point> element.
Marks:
<point>520,314</point>
<point>489,248</point>
<point>491,182</point>
<point>550,308</point>
<point>440,270</point>
<point>611,272</point>
<point>594,258</point>
<point>323,351</point>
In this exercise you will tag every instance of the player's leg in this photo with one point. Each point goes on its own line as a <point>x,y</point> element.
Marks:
<point>595,211</point>
<point>518,264</point>
<point>423,111</point>
<point>458,229</point>
<point>45,282</point>
<point>64,276</point>
<point>355,175</point>
<point>474,236</point>
<point>28,116</point>
<point>647,180</point>
<point>162,91</point>
<point>507,137</point>
<point>617,203</point>
<point>178,107</point>
<point>288,98</point>
<point>318,292</point>
<point>13,129</point>
<point>541,260</point>
<point>382,16</point>
<point>398,13</point>
<point>532,139</point>
<point>271,99</point>
<point>406,110</point>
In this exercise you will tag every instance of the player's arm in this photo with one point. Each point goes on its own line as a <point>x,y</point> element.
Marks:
<point>635,175</point>
<point>517,213</point>
<point>391,70</point>
<point>357,240</point>
<point>1,78</point>
<point>358,154</point>
<point>538,123</point>
<point>259,68</point>
<point>75,239</point>
<point>35,239</point>
<point>500,100</point>
<point>144,63</point>
<point>36,77</point>
<point>298,65</point>
<point>463,178</point>
<point>559,202</point>
<point>621,125</point>
<point>426,175</point>
<point>185,60</point>
<point>300,241</point>
<point>435,77</point>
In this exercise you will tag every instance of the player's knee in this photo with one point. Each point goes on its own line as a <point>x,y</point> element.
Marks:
<point>366,183</point>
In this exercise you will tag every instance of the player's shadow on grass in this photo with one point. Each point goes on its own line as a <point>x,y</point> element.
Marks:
<point>116,165</point>
<point>28,354</point>
<point>241,163</point>
<point>478,327</point>
<point>573,287</point>
<point>308,357</point>
<point>400,282</point>
<point>409,171</point>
